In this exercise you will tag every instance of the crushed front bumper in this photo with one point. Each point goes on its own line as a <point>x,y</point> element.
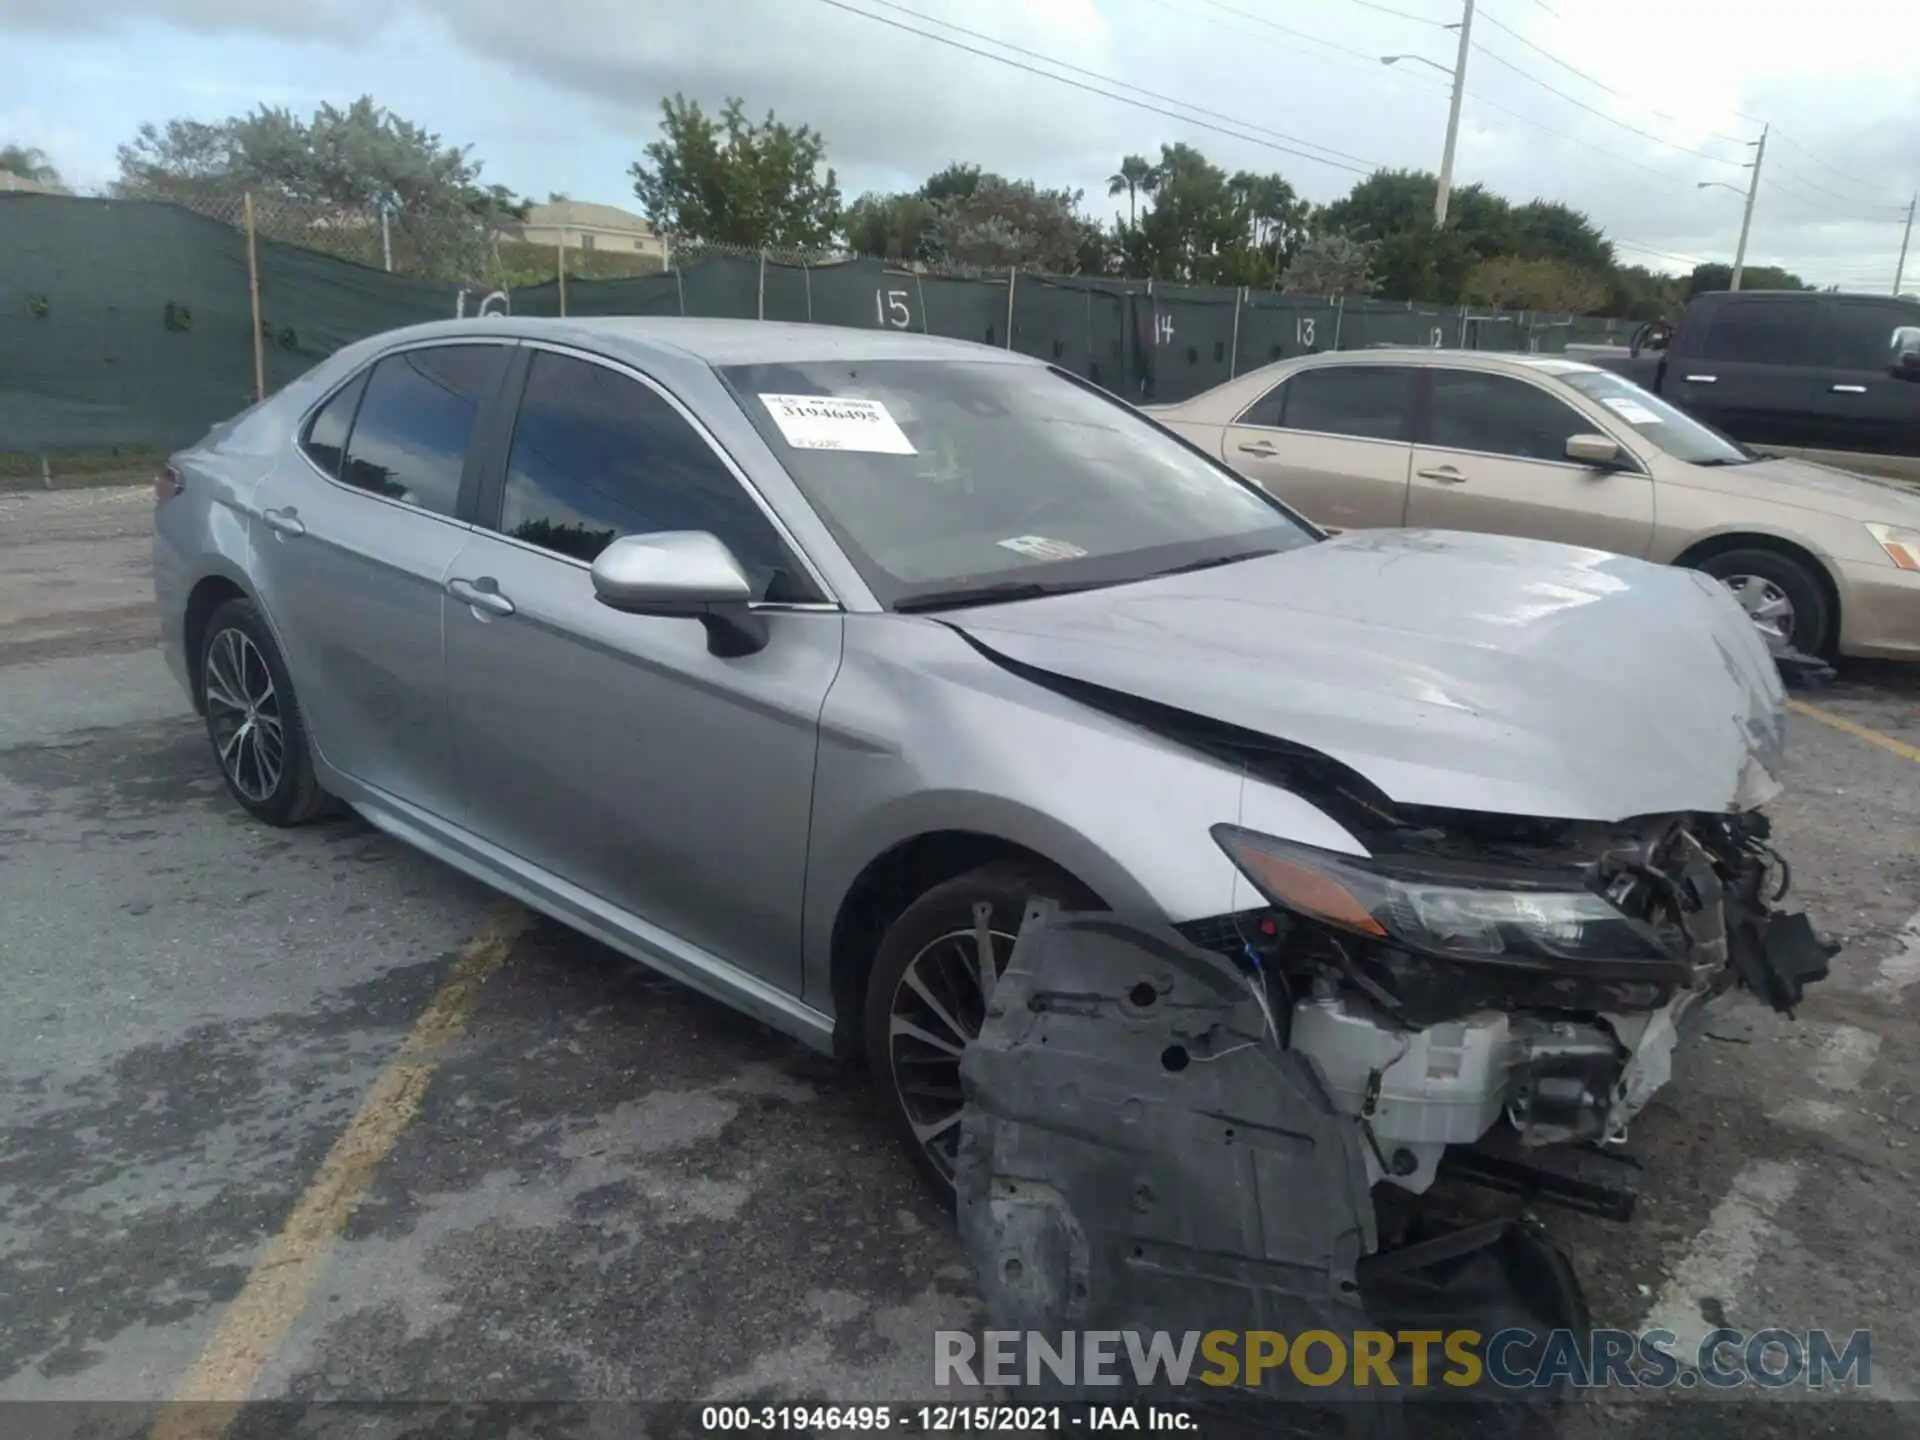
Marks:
<point>1149,1143</point>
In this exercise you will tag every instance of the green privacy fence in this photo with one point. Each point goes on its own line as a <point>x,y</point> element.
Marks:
<point>129,323</point>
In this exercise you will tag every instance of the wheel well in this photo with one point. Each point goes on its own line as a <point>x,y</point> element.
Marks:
<point>891,883</point>
<point>208,596</point>
<point>1705,550</point>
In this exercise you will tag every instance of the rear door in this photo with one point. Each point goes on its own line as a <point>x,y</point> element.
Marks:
<point>1751,367</point>
<point>1862,405</point>
<point>1491,455</point>
<point>351,542</point>
<point>1333,441</point>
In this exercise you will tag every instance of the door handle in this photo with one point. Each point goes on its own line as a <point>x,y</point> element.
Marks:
<point>284,522</point>
<point>1446,475</point>
<point>1846,389</point>
<point>490,600</point>
<point>1261,448</point>
<point>1702,379</point>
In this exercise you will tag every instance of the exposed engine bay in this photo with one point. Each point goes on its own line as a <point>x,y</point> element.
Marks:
<point>1245,1120</point>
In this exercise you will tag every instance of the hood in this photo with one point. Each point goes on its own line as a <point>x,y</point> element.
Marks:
<point>1821,487</point>
<point>1473,672</point>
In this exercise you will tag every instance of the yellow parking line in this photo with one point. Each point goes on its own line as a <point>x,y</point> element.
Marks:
<point>207,1400</point>
<point>1867,733</point>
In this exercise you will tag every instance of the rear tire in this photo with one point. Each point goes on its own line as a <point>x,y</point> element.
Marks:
<point>925,975</point>
<point>1782,595</point>
<point>254,722</point>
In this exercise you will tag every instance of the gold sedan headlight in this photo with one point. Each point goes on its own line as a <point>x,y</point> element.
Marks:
<point>1901,544</point>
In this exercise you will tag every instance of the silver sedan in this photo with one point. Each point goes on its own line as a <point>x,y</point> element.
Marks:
<point>795,661</point>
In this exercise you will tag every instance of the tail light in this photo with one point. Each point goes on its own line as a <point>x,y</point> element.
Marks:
<point>166,484</point>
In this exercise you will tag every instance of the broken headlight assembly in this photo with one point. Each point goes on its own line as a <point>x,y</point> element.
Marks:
<point>1459,914</point>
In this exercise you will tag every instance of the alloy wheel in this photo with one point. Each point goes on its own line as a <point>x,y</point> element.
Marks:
<point>243,714</point>
<point>1766,604</point>
<point>937,1011</point>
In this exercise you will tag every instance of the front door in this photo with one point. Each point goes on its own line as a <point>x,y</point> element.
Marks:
<point>352,540</point>
<point>1331,441</point>
<point>613,750</point>
<point>1752,371</point>
<point>1491,455</point>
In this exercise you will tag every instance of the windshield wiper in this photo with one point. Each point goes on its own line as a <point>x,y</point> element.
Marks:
<point>992,594</point>
<point>1210,563</point>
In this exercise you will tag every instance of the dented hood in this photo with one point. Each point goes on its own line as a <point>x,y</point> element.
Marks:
<point>1474,672</point>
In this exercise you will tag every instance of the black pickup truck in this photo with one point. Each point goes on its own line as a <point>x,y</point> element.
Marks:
<point>1788,368</point>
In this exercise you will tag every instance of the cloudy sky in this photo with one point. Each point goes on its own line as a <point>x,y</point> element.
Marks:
<point>1621,108</point>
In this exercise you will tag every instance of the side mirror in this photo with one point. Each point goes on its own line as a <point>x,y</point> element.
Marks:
<point>682,573</point>
<point>1594,450</point>
<point>1904,356</point>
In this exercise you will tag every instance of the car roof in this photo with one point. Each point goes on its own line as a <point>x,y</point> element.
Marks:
<point>716,342</point>
<point>1455,358</point>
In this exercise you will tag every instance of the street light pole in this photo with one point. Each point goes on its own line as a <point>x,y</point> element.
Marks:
<point>1453,118</point>
<point>1900,270</point>
<point>1746,216</point>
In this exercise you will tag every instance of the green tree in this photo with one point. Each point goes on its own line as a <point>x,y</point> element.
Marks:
<point>1136,176</point>
<point>29,163</point>
<point>728,181</point>
<point>1548,230</point>
<point>892,227</point>
<point>998,223</point>
<point>360,160</point>
<point>1513,282</point>
<point>1752,277</point>
<point>1330,263</point>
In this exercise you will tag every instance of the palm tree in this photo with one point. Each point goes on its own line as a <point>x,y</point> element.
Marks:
<point>1136,176</point>
<point>28,163</point>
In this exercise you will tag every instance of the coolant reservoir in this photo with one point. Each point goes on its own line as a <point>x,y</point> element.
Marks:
<point>1444,1084</point>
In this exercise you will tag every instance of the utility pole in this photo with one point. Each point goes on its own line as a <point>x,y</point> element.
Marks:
<point>1900,270</point>
<point>386,237</point>
<point>1453,118</point>
<point>1746,217</point>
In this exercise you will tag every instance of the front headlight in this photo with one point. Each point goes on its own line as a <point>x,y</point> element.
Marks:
<point>1498,920</point>
<point>1901,543</point>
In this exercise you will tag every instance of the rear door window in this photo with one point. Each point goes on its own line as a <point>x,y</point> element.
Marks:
<point>1367,402</point>
<point>409,440</point>
<point>1763,332</point>
<point>1499,415</point>
<point>326,439</point>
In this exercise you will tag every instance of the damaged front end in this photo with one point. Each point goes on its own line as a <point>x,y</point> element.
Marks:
<point>1243,1123</point>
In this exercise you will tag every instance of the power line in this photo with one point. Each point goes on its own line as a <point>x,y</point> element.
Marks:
<point>1798,178</point>
<point>1595,81</point>
<point>1361,169</point>
<point>1110,80</point>
<point>1793,144</point>
<point>1397,14</point>
<point>1656,250</point>
<point>1610,119</point>
<point>1373,61</point>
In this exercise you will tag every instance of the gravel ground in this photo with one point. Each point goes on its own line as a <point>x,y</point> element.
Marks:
<point>611,1188</point>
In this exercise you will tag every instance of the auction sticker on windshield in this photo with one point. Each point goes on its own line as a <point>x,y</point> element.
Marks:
<point>1630,410</point>
<point>1039,547</point>
<point>829,422</point>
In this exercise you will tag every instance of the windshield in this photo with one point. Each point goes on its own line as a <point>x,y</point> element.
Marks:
<point>946,476</point>
<point>1657,422</point>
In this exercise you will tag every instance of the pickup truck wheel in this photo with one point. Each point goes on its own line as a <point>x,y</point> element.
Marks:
<point>927,998</point>
<point>1780,594</point>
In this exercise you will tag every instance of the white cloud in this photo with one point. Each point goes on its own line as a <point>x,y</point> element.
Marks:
<point>1682,86</point>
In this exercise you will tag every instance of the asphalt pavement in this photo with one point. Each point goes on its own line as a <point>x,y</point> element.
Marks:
<point>305,1115</point>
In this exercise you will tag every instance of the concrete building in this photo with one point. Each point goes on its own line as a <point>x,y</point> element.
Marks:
<point>578,225</point>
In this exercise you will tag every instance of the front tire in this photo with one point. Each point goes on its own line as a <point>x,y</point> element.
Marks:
<point>254,721</point>
<point>926,1001</point>
<point>1781,595</point>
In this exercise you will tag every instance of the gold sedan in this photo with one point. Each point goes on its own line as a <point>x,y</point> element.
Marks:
<point>1826,562</point>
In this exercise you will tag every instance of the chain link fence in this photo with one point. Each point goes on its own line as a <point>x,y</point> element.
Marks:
<point>133,325</point>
